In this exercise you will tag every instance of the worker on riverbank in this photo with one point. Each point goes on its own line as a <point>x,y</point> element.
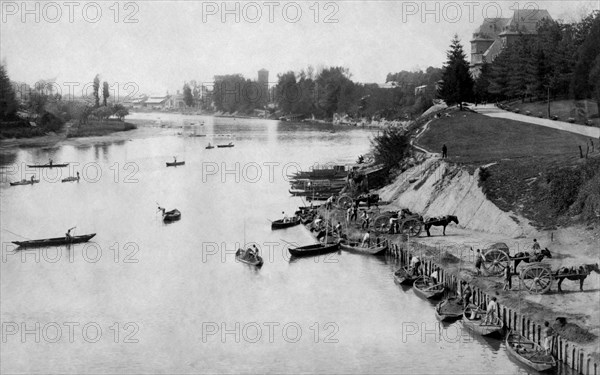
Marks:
<point>536,247</point>
<point>478,261</point>
<point>548,338</point>
<point>435,276</point>
<point>329,203</point>
<point>367,239</point>
<point>444,151</point>
<point>507,277</point>
<point>366,219</point>
<point>466,295</point>
<point>354,215</point>
<point>415,264</point>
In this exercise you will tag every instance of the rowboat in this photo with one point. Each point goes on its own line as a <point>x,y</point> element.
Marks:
<point>244,257</point>
<point>70,179</point>
<point>210,147</point>
<point>476,322</point>
<point>354,246</point>
<point>315,249</point>
<point>55,241</point>
<point>425,288</point>
<point>227,145</point>
<point>528,352</point>
<point>280,224</point>
<point>175,163</point>
<point>449,310</point>
<point>403,277</point>
<point>47,165</point>
<point>24,182</point>
<point>172,215</point>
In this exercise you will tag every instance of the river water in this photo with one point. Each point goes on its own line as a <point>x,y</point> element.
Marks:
<point>145,297</point>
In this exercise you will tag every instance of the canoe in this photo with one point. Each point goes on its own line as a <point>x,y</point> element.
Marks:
<point>315,249</point>
<point>47,165</point>
<point>279,224</point>
<point>449,310</point>
<point>240,255</point>
<point>403,277</point>
<point>355,247</point>
<point>175,163</point>
<point>70,179</point>
<point>223,146</point>
<point>26,182</point>
<point>424,287</point>
<point>477,324</point>
<point>55,241</point>
<point>209,147</point>
<point>172,215</point>
<point>528,352</point>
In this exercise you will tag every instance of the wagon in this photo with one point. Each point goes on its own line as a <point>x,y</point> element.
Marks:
<point>496,257</point>
<point>408,223</point>
<point>538,277</point>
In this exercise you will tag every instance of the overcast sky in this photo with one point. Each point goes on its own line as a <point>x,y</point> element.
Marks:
<point>165,43</point>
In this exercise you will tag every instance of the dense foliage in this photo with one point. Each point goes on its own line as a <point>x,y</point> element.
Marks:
<point>390,147</point>
<point>457,83</point>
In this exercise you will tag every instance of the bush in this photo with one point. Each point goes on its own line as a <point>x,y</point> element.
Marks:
<point>390,147</point>
<point>564,186</point>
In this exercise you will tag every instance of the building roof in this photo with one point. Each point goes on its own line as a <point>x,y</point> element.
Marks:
<point>491,28</point>
<point>157,99</point>
<point>525,21</point>
<point>493,51</point>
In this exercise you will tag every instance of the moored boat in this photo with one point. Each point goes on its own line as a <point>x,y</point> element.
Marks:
<point>47,165</point>
<point>55,241</point>
<point>355,247</point>
<point>315,249</point>
<point>210,146</point>
<point>245,256</point>
<point>70,179</point>
<point>169,216</point>
<point>449,310</point>
<point>474,319</point>
<point>24,182</point>
<point>227,145</point>
<point>528,352</point>
<point>403,277</point>
<point>175,163</point>
<point>281,224</point>
<point>425,288</point>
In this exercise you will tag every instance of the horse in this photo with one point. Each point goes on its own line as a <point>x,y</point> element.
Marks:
<point>438,222</point>
<point>530,258</point>
<point>575,273</point>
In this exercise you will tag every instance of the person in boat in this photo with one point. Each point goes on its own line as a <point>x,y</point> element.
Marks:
<point>467,295</point>
<point>31,179</point>
<point>492,311</point>
<point>367,239</point>
<point>338,229</point>
<point>77,176</point>
<point>435,275</point>
<point>256,251</point>
<point>174,159</point>
<point>548,337</point>
<point>286,219</point>
<point>68,236</point>
<point>50,161</point>
<point>415,263</point>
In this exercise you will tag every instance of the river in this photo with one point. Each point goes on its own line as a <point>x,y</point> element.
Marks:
<point>146,297</point>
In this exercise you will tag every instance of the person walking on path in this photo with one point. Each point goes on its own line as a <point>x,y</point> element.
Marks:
<point>444,151</point>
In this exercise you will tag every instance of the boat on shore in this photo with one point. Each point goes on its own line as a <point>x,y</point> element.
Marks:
<point>528,352</point>
<point>315,249</point>
<point>48,165</point>
<point>281,224</point>
<point>449,310</point>
<point>403,277</point>
<point>425,288</point>
<point>175,163</point>
<point>245,256</point>
<point>55,241</point>
<point>169,216</point>
<point>230,144</point>
<point>355,247</point>
<point>474,319</point>
<point>24,182</point>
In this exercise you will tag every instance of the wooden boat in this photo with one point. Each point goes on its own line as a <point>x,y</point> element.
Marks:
<point>354,247</point>
<point>449,310</point>
<point>55,241</point>
<point>280,224</point>
<point>24,182</point>
<point>227,145</point>
<point>210,146</point>
<point>424,287</point>
<point>315,249</point>
<point>244,257</point>
<point>70,179</point>
<point>175,163</point>
<point>478,325</point>
<point>48,165</point>
<point>197,135</point>
<point>172,215</point>
<point>403,277</point>
<point>528,352</point>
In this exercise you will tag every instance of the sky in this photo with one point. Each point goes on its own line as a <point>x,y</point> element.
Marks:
<point>153,47</point>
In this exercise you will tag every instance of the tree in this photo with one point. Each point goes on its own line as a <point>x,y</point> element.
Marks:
<point>96,88</point>
<point>105,92</point>
<point>457,83</point>
<point>188,98</point>
<point>8,99</point>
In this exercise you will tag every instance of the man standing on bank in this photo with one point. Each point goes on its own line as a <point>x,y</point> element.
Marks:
<point>444,151</point>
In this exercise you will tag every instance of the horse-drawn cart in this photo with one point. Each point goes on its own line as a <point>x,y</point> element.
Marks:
<point>403,221</point>
<point>538,277</point>
<point>497,256</point>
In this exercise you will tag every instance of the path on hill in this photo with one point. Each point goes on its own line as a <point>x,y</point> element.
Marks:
<point>493,111</point>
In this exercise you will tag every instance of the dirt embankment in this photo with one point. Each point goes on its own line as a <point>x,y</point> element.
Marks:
<point>436,188</point>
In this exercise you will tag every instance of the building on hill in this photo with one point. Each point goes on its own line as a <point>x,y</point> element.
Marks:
<point>495,34</point>
<point>157,102</point>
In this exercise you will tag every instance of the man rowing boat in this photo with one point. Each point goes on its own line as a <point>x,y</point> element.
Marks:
<point>68,236</point>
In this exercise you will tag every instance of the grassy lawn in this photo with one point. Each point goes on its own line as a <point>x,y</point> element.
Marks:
<point>523,153</point>
<point>564,109</point>
<point>96,128</point>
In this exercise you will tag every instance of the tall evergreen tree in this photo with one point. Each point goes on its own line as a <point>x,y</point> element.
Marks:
<point>457,83</point>
<point>8,99</point>
<point>105,92</point>
<point>96,89</point>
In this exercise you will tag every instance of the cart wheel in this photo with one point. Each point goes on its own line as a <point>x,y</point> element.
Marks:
<point>537,278</point>
<point>411,227</point>
<point>495,262</point>
<point>381,224</point>
<point>344,201</point>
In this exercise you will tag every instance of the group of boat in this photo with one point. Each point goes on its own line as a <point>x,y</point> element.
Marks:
<point>474,318</point>
<point>33,180</point>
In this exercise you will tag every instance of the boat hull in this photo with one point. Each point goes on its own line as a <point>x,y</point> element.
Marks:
<point>423,289</point>
<point>356,248</point>
<point>175,164</point>
<point>48,165</point>
<point>254,262</point>
<point>402,277</point>
<point>21,183</point>
<point>172,215</point>
<point>528,353</point>
<point>312,250</point>
<point>449,310</point>
<point>482,329</point>
<point>279,224</point>
<point>57,241</point>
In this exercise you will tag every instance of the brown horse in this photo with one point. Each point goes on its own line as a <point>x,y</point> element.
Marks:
<point>530,258</point>
<point>575,273</point>
<point>439,222</point>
